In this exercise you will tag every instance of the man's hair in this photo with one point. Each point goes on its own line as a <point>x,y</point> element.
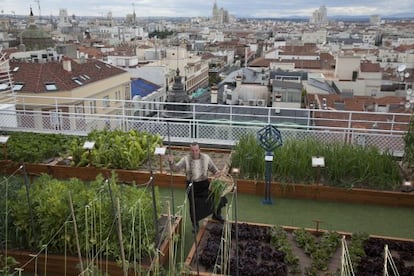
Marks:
<point>193,144</point>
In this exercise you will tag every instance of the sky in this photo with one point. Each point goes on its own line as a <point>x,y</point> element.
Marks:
<point>194,8</point>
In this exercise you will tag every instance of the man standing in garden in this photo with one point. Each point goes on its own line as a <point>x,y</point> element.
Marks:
<point>196,166</point>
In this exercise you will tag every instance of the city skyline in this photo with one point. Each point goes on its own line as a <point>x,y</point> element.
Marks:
<point>190,8</point>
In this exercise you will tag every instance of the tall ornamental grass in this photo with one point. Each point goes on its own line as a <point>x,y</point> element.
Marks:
<point>347,166</point>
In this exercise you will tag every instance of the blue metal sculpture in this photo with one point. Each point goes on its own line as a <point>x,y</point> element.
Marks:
<point>269,138</point>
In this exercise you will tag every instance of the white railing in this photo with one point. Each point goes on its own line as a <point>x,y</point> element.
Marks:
<point>221,125</point>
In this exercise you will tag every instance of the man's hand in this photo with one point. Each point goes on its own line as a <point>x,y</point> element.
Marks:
<point>218,173</point>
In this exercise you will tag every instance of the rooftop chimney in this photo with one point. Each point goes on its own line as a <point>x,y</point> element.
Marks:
<point>238,80</point>
<point>213,95</point>
<point>67,65</point>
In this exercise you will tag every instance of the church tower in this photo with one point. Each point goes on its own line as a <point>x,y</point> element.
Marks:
<point>216,13</point>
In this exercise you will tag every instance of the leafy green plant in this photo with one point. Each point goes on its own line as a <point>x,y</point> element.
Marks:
<point>216,189</point>
<point>279,239</point>
<point>76,151</point>
<point>50,221</point>
<point>117,149</point>
<point>408,158</point>
<point>6,264</point>
<point>347,166</point>
<point>248,156</point>
<point>321,252</point>
<point>356,247</point>
<point>305,240</point>
<point>36,147</point>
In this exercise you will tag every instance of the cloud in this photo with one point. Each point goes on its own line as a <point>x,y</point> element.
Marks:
<point>193,8</point>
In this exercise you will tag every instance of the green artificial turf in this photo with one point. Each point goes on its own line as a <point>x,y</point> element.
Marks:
<point>336,216</point>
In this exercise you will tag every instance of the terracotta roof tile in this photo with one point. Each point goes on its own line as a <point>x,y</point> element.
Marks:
<point>92,52</point>
<point>404,48</point>
<point>370,67</point>
<point>261,62</point>
<point>361,117</point>
<point>299,50</point>
<point>35,75</point>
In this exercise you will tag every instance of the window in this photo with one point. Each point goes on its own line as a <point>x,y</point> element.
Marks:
<point>79,108</point>
<point>18,86</point>
<point>92,107</point>
<point>3,86</point>
<point>51,86</point>
<point>77,80</point>
<point>288,95</point>
<point>127,93</point>
<point>105,102</point>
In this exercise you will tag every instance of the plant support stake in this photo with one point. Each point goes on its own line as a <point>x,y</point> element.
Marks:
<point>26,182</point>
<point>171,173</point>
<point>121,244</point>
<point>76,232</point>
<point>154,204</point>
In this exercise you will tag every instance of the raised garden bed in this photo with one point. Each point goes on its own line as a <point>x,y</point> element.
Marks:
<point>268,250</point>
<point>59,264</point>
<point>305,191</point>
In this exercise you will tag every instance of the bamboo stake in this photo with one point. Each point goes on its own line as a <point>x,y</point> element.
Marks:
<point>170,236</point>
<point>121,244</point>
<point>26,182</point>
<point>76,231</point>
<point>171,172</point>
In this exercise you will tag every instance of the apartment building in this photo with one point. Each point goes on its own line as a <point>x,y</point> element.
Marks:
<point>87,87</point>
<point>192,67</point>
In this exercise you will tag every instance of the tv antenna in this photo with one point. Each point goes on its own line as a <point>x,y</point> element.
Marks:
<point>409,98</point>
<point>403,74</point>
<point>133,14</point>
<point>401,68</point>
<point>38,7</point>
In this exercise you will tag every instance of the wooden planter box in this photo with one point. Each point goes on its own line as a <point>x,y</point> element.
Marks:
<point>301,191</point>
<point>54,264</point>
<point>327,193</point>
<point>202,237</point>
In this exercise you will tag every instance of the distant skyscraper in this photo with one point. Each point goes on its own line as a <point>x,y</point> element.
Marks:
<point>215,13</point>
<point>319,16</point>
<point>375,19</point>
<point>63,16</point>
<point>64,20</point>
<point>219,15</point>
